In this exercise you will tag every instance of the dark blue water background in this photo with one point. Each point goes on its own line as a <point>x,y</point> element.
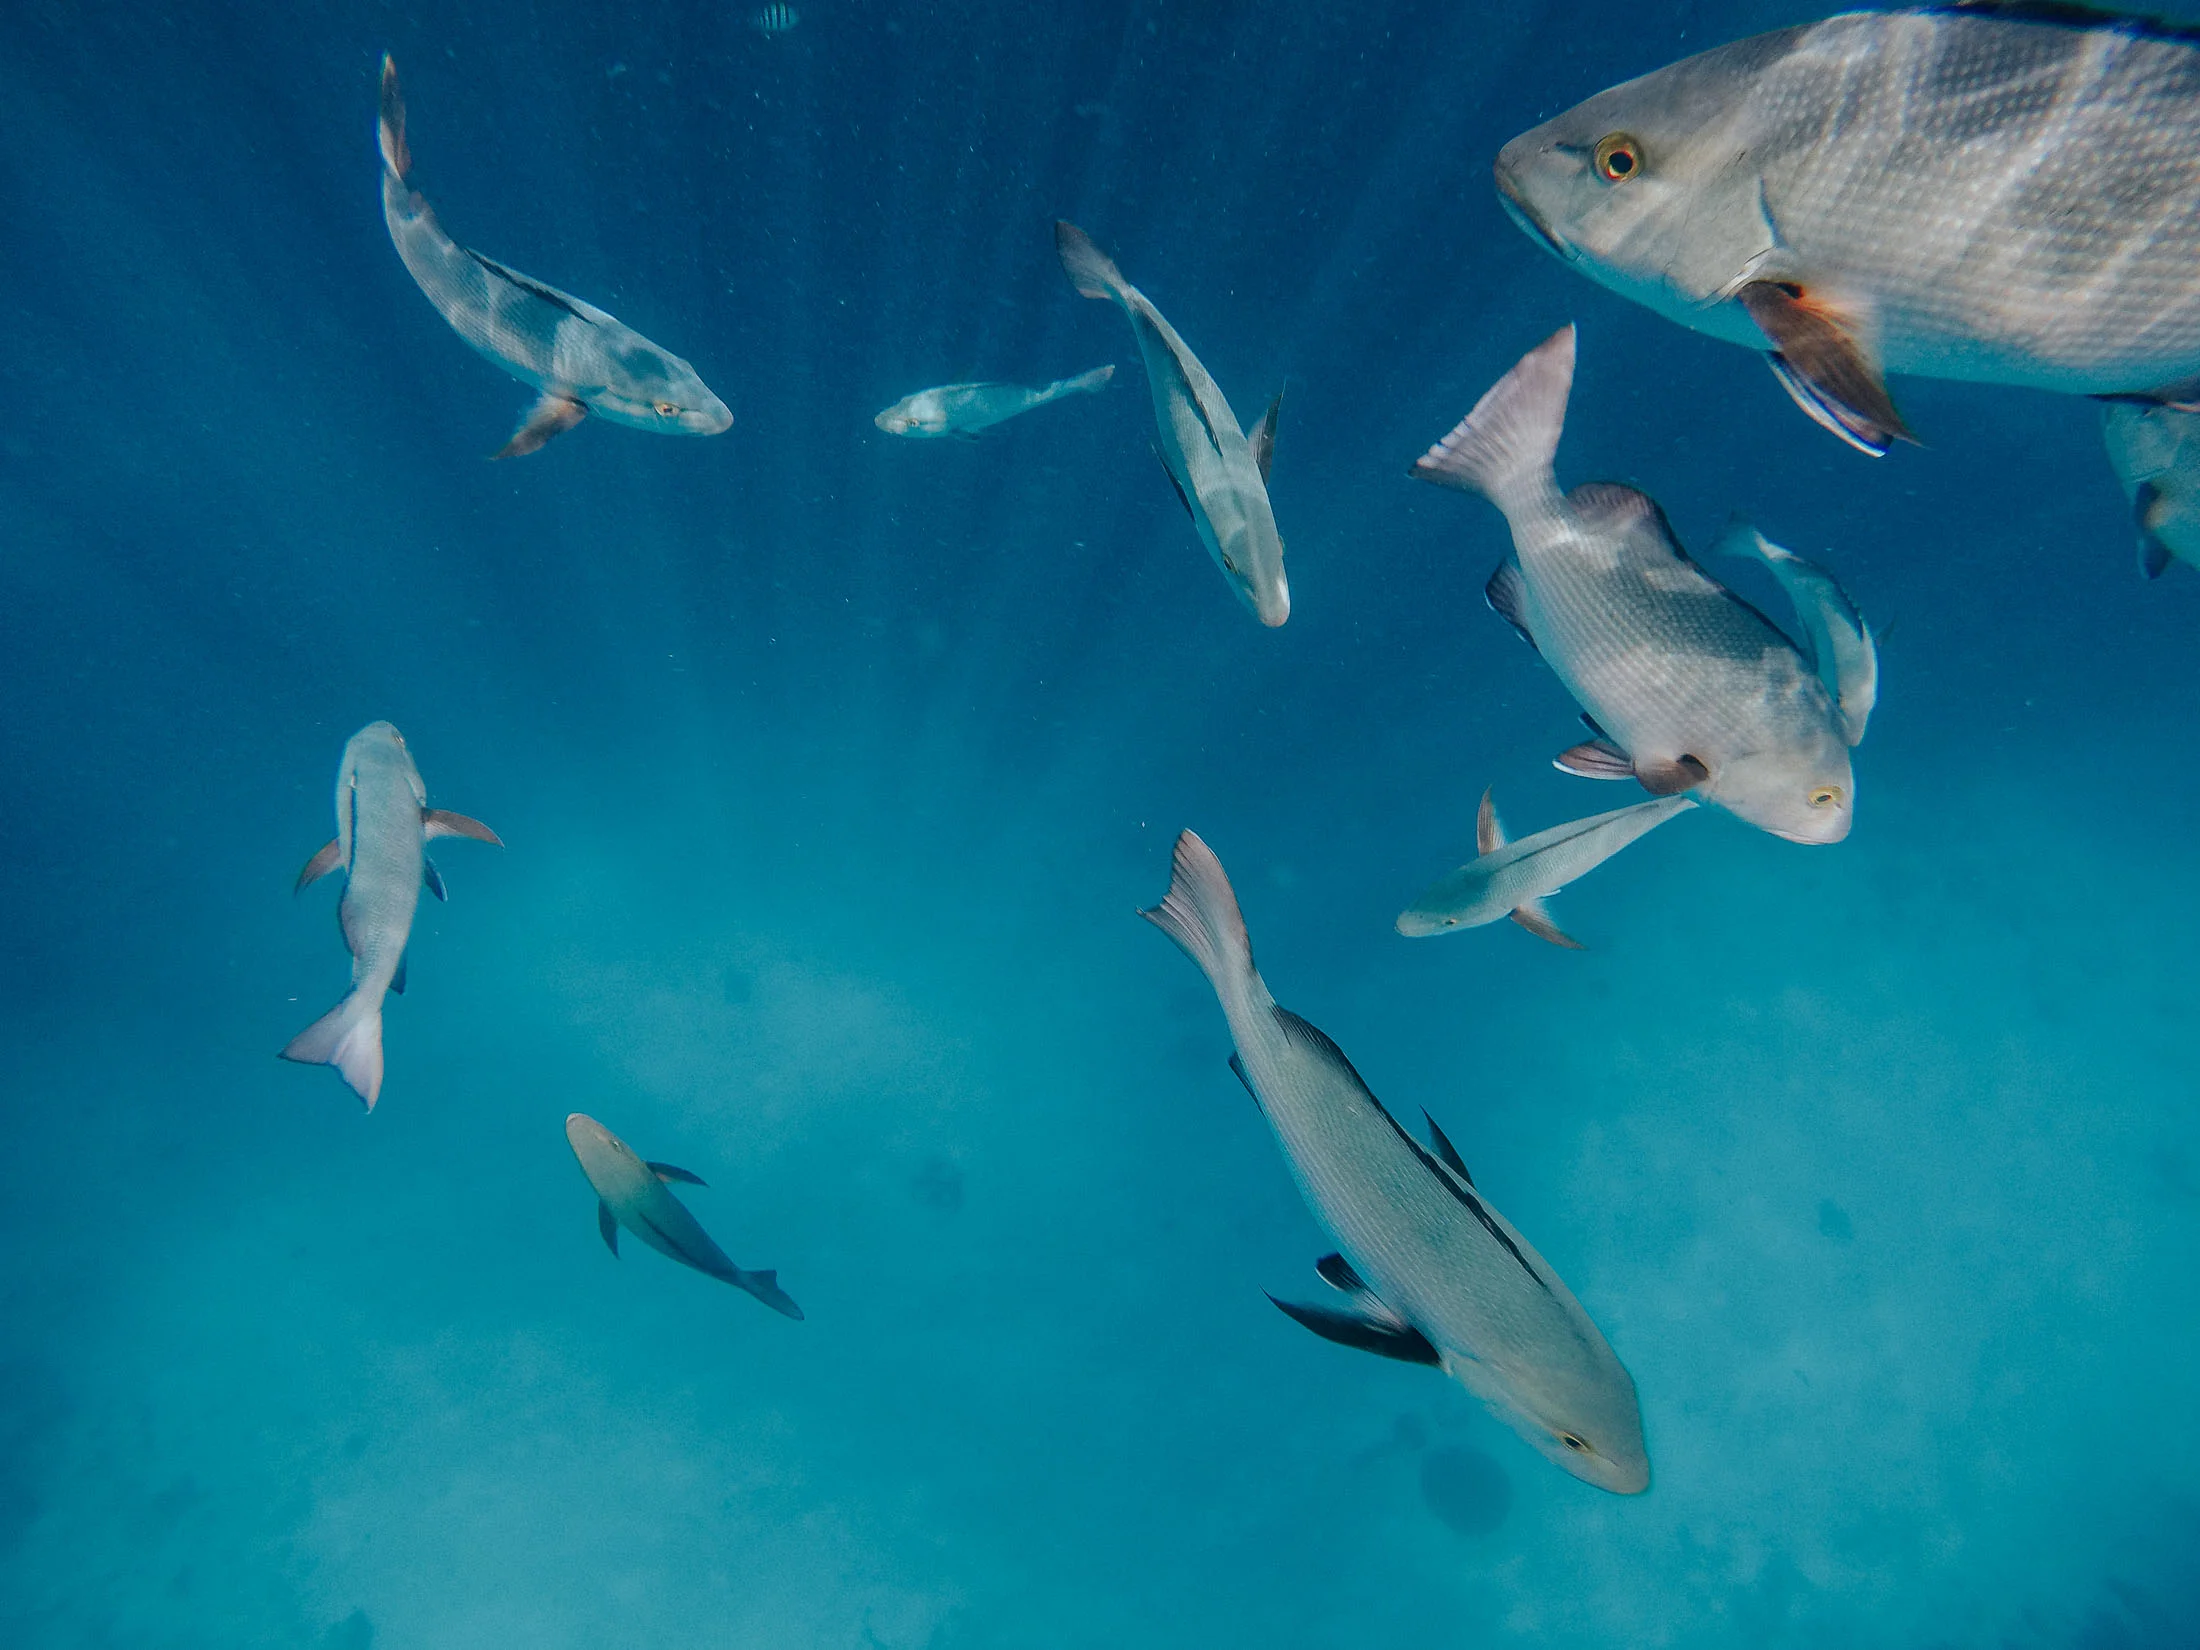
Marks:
<point>832,768</point>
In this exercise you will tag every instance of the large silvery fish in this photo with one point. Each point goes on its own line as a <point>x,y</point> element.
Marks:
<point>631,1193</point>
<point>1688,687</point>
<point>965,409</point>
<point>582,360</point>
<point>1513,879</point>
<point>1429,1271</point>
<point>1219,472</point>
<point>2156,455</point>
<point>383,823</point>
<point>2001,191</point>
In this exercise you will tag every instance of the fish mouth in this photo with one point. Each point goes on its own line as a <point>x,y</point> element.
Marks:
<point>1517,208</point>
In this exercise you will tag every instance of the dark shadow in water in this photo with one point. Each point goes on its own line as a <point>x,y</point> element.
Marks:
<point>354,1632</point>
<point>1466,1489</point>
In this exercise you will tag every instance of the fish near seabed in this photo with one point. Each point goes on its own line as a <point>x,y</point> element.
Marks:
<point>581,359</point>
<point>1428,1271</point>
<point>1220,474</point>
<point>2155,452</point>
<point>965,409</point>
<point>383,824</point>
<point>1512,879</point>
<point>2002,191</point>
<point>631,1193</point>
<point>1686,686</point>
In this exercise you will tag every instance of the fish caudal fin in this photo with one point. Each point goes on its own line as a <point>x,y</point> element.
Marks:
<point>1086,383</point>
<point>1201,914</point>
<point>1507,446</point>
<point>348,1037</point>
<point>395,155</point>
<point>1091,271</point>
<point>765,1287</point>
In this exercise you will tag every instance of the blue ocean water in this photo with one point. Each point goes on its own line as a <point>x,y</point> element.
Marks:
<point>832,769</point>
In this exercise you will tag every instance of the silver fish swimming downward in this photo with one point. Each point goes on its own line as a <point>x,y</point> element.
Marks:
<point>581,359</point>
<point>1429,1271</point>
<point>964,409</point>
<point>2001,191</point>
<point>1219,472</point>
<point>383,823</point>
<point>1688,687</point>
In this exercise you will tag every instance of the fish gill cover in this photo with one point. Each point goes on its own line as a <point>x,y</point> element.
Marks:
<point>831,767</point>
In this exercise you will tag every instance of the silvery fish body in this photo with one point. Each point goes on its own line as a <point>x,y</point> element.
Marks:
<point>2000,192</point>
<point>1689,687</point>
<point>632,1193</point>
<point>965,409</point>
<point>1430,1272</point>
<point>583,360</point>
<point>2155,452</point>
<point>1219,472</point>
<point>1512,879</point>
<point>383,823</point>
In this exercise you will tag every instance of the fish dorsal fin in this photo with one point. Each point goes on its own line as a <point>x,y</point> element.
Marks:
<point>1336,1271</point>
<point>1388,1340</point>
<point>608,1224</point>
<point>1318,1041</point>
<point>1507,594</point>
<point>1446,1152</point>
<point>1263,438</point>
<point>666,1171</point>
<point>1489,830</point>
<point>1608,507</point>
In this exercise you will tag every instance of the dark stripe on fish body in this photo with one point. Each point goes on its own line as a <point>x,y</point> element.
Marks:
<point>553,299</point>
<point>2059,14</point>
<point>1315,1038</point>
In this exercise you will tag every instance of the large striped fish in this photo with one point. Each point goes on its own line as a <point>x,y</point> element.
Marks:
<point>582,360</point>
<point>1427,1270</point>
<point>1996,190</point>
<point>1688,687</point>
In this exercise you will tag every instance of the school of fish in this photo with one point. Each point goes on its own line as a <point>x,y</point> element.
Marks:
<point>2001,191</point>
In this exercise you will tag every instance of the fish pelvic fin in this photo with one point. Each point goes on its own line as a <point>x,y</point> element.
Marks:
<point>329,856</point>
<point>435,822</point>
<point>1200,913</point>
<point>1367,1334</point>
<point>1595,759</point>
<point>1535,917</point>
<point>390,127</point>
<point>1507,446</point>
<point>348,1037</point>
<point>552,416</point>
<point>1824,365</point>
<point>1091,271</point>
<point>607,1223</point>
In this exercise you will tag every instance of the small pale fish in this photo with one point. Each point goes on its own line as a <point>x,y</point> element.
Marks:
<point>383,826</point>
<point>965,409</point>
<point>1512,879</point>
<point>2156,455</point>
<point>1836,639</point>
<point>1429,1272</point>
<point>1220,474</point>
<point>2005,191</point>
<point>1687,687</point>
<point>581,359</point>
<point>632,1193</point>
<point>774,20</point>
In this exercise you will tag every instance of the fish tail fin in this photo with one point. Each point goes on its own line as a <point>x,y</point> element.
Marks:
<point>1507,446</point>
<point>765,1287</point>
<point>1200,913</point>
<point>348,1037</point>
<point>395,155</point>
<point>1091,271</point>
<point>1086,383</point>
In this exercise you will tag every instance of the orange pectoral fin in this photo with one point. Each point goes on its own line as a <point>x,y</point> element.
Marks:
<point>1822,364</point>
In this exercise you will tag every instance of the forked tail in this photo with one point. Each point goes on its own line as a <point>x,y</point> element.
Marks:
<point>765,1287</point>
<point>1201,914</point>
<point>1085,383</point>
<point>348,1037</point>
<point>1506,447</point>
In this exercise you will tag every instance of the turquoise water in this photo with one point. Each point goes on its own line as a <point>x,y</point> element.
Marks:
<point>831,770</point>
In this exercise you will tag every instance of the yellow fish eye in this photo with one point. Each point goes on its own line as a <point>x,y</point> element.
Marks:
<point>1618,157</point>
<point>665,409</point>
<point>1825,796</point>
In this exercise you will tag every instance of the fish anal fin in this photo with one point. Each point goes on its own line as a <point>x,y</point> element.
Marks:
<point>1594,759</point>
<point>1176,486</point>
<point>397,980</point>
<point>2148,506</point>
<point>552,416</point>
<point>667,1171</point>
<point>1263,438</point>
<point>1536,919</point>
<point>608,1224</point>
<point>1238,1067</point>
<point>1683,773</point>
<point>1446,1152</point>
<point>433,879</point>
<point>325,860</point>
<point>1489,830</point>
<point>1507,594</point>
<point>1365,1334</point>
<point>1823,365</point>
<point>1334,1270</point>
<point>435,822</point>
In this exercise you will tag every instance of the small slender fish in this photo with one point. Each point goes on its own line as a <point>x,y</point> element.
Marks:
<point>1837,641</point>
<point>2155,452</point>
<point>631,1193</point>
<point>1687,687</point>
<point>964,409</point>
<point>581,359</point>
<point>2004,191</point>
<point>383,823</point>
<point>1220,474</point>
<point>1512,879</point>
<point>1429,1271</point>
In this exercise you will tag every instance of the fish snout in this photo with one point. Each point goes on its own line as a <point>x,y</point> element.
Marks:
<point>1514,163</point>
<point>1271,599</point>
<point>714,417</point>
